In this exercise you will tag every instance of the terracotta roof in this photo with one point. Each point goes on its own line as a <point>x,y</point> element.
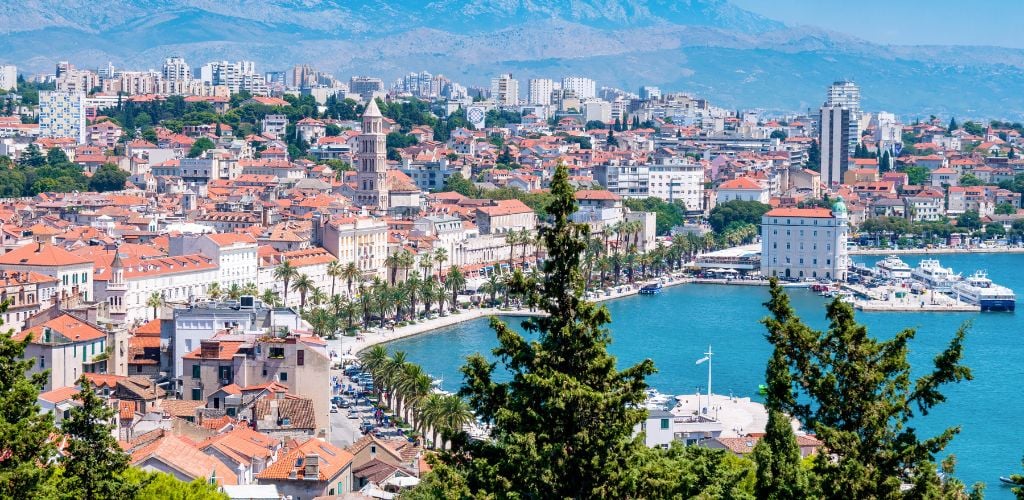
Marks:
<point>228,239</point>
<point>181,408</point>
<point>60,394</point>
<point>816,213</point>
<point>185,458</point>
<point>505,207</point>
<point>741,183</point>
<point>150,328</point>
<point>67,326</point>
<point>597,194</point>
<point>41,254</point>
<point>298,410</point>
<point>332,461</point>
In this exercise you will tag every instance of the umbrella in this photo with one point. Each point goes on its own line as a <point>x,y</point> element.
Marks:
<point>403,481</point>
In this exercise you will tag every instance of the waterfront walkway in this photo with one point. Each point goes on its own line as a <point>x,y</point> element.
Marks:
<point>935,251</point>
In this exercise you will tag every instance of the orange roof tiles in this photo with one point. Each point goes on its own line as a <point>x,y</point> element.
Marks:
<point>816,213</point>
<point>66,325</point>
<point>332,461</point>
<point>41,254</point>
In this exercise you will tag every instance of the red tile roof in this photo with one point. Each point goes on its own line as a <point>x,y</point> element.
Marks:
<point>815,213</point>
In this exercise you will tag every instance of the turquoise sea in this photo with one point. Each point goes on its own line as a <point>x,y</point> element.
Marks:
<point>675,328</point>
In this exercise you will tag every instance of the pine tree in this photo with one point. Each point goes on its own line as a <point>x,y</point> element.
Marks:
<point>952,125</point>
<point>95,464</point>
<point>780,475</point>
<point>563,424</point>
<point>885,164</point>
<point>24,430</point>
<point>856,393</point>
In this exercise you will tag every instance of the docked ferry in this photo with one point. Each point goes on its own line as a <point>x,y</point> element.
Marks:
<point>978,290</point>
<point>893,267</point>
<point>651,289</point>
<point>931,274</point>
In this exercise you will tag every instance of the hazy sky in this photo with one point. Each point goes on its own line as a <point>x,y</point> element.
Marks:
<point>906,22</point>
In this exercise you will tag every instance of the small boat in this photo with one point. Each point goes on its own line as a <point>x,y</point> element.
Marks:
<point>1007,480</point>
<point>650,289</point>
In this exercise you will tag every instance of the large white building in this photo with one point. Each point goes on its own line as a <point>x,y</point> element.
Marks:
<point>62,114</point>
<point>362,240</point>
<point>8,77</point>
<point>505,90</point>
<point>233,253</point>
<point>235,76</point>
<point>540,91</point>
<point>583,88</point>
<point>805,242</point>
<point>675,179</point>
<point>176,70</point>
<point>127,282</point>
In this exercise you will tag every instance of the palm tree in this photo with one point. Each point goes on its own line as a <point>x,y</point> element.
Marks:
<point>439,294</point>
<point>349,310</point>
<point>390,373</point>
<point>412,286</point>
<point>234,291</point>
<point>269,297</point>
<point>350,273</point>
<point>334,270</point>
<point>303,284</point>
<point>374,360</point>
<point>427,294</point>
<point>213,290</point>
<point>406,260</point>
<point>426,263</point>
<point>511,239</point>
<point>525,239</point>
<point>455,283</point>
<point>431,408</point>
<point>155,300</point>
<point>250,289</point>
<point>365,300</point>
<point>392,263</point>
<point>492,286</point>
<point>455,414</point>
<point>318,297</point>
<point>284,273</point>
<point>440,256</point>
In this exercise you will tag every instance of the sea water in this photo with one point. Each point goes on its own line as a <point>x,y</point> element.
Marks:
<point>676,327</point>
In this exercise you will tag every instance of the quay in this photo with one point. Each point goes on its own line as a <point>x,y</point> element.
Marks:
<point>898,299</point>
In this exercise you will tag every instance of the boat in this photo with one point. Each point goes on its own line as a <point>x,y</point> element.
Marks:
<point>655,400</point>
<point>980,291</point>
<point>931,274</point>
<point>1009,481</point>
<point>893,267</point>
<point>651,289</point>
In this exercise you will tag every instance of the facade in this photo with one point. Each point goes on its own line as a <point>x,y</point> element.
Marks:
<point>127,282</point>
<point>74,274</point>
<point>503,216</point>
<point>176,70</point>
<point>313,469</point>
<point>741,188</point>
<point>66,347</point>
<point>677,180</point>
<point>234,255</point>
<point>583,88</point>
<point>505,90</point>
<point>8,77</point>
<point>362,240</point>
<point>62,114</point>
<point>371,176</point>
<point>628,180</point>
<point>834,142</point>
<point>540,91</point>
<point>275,125</point>
<point>25,294</point>
<point>805,243</point>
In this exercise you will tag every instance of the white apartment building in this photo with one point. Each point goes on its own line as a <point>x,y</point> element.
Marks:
<point>234,254</point>
<point>363,240</point>
<point>447,229</point>
<point>127,282</point>
<point>274,124</point>
<point>236,76</point>
<point>805,242</point>
<point>741,188</point>
<point>73,273</point>
<point>674,179</point>
<point>505,90</point>
<point>597,110</point>
<point>540,91</point>
<point>312,262</point>
<point>583,88</point>
<point>62,114</point>
<point>8,77</point>
<point>176,70</point>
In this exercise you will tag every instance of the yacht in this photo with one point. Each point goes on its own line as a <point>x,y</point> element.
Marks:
<point>978,290</point>
<point>657,401</point>
<point>930,273</point>
<point>651,289</point>
<point>893,267</point>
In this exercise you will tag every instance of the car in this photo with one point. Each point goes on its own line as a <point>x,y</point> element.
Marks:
<point>334,408</point>
<point>353,414</point>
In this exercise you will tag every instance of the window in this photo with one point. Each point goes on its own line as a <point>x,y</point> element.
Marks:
<point>283,376</point>
<point>195,370</point>
<point>664,423</point>
<point>197,394</point>
<point>300,357</point>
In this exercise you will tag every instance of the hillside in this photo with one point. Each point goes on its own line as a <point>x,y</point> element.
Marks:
<point>732,56</point>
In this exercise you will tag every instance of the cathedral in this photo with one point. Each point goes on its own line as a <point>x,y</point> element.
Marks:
<point>371,178</point>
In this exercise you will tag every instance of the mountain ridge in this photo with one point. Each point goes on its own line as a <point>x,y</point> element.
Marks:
<point>711,47</point>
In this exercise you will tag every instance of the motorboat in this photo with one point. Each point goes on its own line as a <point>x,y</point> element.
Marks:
<point>930,273</point>
<point>893,267</point>
<point>651,289</point>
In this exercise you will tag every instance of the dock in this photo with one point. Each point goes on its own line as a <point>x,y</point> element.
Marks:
<point>900,299</point>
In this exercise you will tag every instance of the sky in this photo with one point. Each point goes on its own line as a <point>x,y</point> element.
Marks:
<point>905,22</point>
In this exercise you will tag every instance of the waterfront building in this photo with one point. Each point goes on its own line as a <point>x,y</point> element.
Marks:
<point>676,179</point>
<point>360,240</point>
<point>125,282</point>
<point>62,114</point>
<point>805,243</point>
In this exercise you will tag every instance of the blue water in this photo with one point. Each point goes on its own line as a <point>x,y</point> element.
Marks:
<point>675,328</point>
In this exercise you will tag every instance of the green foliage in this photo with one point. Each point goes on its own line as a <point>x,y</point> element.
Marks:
<point>969,220</point>
<point>595,124</point>
<point>1005,208</point>
<point>857,394</point>
<point>563,425</point>
<point>885,162</point>
<point>461,185</point>
<point>501,118</point>
<point>199,147</point>
<point>735,213</point>
<point>108,177</point>
<point>916,174</point>
<point>974,128</point>
<point>582,140</point>
<point>1016,184</point>
<point>970,180</point>
<point>162,486</point>
<point>994,229</point>
<point>94,464</point>
<point>24,429</point>
<point>667,215</point>
<point>408,114</point>
<point>778,134</point>
<point>537,201</point>
<point>343,109</point>
<point>814,156</point>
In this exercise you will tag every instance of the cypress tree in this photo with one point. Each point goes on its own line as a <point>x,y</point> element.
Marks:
<point>952,125</point>
<point>563,425</point>
<point>780,475</point>
<point>95,464</point>
<point>24,431</point>
<point>857,394</point>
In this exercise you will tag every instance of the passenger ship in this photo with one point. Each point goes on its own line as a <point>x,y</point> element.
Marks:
<point>930,273</point>
<point>978,290</point>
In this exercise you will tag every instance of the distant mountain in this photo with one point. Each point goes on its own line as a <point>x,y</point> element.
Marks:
<point>734,57</point>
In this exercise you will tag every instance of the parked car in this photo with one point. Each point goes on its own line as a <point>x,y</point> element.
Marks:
<point>334,408</point>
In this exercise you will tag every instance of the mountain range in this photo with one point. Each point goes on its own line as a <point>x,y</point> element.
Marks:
<point>712,48</point>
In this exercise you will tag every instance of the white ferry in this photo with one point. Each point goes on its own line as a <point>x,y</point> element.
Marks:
<point>893,267</point>
<point>931,274</point>
<point>978,290</point>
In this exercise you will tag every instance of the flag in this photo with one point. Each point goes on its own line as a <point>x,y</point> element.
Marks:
<point>701,360</point>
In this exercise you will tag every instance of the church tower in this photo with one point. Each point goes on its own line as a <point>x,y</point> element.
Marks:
<point>371,177</point>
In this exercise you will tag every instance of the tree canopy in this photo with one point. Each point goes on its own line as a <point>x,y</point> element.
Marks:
<point>108,177</point>
<point>735,213</point>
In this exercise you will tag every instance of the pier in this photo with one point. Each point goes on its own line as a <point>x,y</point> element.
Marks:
<point>893,298</point>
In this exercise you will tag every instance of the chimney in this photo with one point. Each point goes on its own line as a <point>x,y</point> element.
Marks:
<point>312,472</point>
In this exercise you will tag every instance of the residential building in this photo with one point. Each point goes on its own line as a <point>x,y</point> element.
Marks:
<point>234,255</point>
<point>362,240</point>
<point>648,93</point>
<point>67,347</point>
<point>25,293</point>
<point>365,86</point>
<point>799,243</point>
<point>313,469</point>
<point>675,179</point>
<point>275,125</point>
<point>105,134</point>
<point>126,282</point>
<point>505,90</point>
<point>502,216</point>
<point>583,88</point>
<point>8,77</point>
<point>834,125</point>
<point>74,274</point>
<point>176,70</point>
<point>628,180</point>
<point>62,114</point>
<point>741,188</point>
<point>540,91</point>
<point>312,262</point>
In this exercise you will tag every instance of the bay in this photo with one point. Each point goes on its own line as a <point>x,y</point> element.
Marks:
<point>676,327</point>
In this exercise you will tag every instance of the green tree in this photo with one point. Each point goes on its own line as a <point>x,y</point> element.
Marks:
<point>459,184</point>
<point>995,229</point>
<point>1005,208</point>
<point>1018,480</point>
<point>969,220</point>
<point>24,430</point>
<point>56,156</point>
<point>284,273</point>
<point>857,394</point>
<point>32,157</point>
<point>108,177</point>
<point>952,125</point>
<point>547,443</point>
<point>95,465</point>
<point>162,486</point>
<point>778,134</point>
<point>916,175</point>
<point>970,180</point>
<point>735,213</point>
<point>199,147</point>
<point>814,156</point>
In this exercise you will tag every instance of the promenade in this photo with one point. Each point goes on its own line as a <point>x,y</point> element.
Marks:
<point>935,251</point>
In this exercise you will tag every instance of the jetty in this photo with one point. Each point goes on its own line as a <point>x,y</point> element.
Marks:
<point>893,298</point>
